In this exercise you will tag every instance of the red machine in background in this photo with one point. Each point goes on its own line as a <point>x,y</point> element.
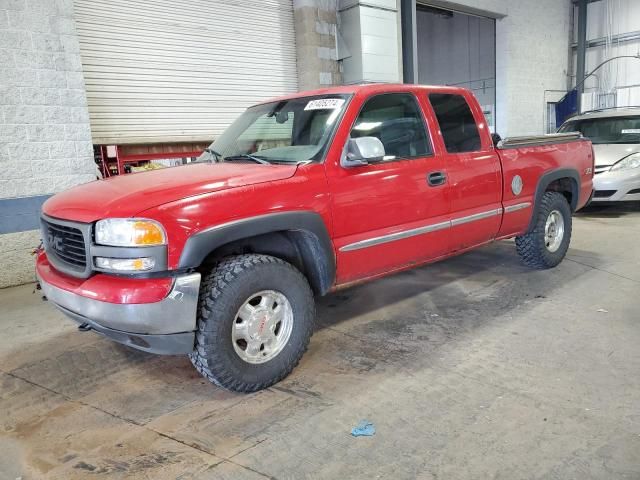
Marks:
<point>119,159</point>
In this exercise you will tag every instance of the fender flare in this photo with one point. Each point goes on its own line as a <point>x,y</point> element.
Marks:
<point>315,244</point>
<point>546,179</point>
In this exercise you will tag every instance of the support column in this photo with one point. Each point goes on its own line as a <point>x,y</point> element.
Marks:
<point>316,25</point>
<point>582,49</point>
<point>409,41</point>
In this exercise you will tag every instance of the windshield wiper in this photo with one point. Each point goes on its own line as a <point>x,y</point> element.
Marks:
<point>217,157</point>
<point>246,156</point>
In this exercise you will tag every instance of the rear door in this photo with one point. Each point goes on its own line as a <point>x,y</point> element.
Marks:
<point>386,215</point>
<point>473,169</point>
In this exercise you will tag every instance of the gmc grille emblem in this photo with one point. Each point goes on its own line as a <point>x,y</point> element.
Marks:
<point>56,243</point>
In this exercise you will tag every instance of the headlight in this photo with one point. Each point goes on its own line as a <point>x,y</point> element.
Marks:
<point>129,232</point>
<point>126,264</point>
<point>632,161</point>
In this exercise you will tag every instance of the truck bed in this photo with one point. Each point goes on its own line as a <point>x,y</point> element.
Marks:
<point>531,159</point>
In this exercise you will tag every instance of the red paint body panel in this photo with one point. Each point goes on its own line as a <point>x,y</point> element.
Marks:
<point>475,180</point>
<point>106,288</point>
<point>128,195</point>
<point>356,204</point>
<point>306,190</point>
<point>533,162</point>
<point>382,199</point>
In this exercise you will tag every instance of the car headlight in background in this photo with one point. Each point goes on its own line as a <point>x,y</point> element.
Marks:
<point>632,161</point>
<point>129,232</point>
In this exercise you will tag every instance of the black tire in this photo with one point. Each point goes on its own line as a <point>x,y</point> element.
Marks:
<point>223,291</point>
<point>532,247</point>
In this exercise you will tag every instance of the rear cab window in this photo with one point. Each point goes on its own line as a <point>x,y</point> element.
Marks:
<point>458,127</point>
<point>396,120</point>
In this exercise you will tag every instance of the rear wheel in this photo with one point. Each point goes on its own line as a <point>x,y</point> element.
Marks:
<point>255,320</point>
<point>547,244</point>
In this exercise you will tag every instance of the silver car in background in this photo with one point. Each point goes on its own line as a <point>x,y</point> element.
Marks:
<point>615,134</point>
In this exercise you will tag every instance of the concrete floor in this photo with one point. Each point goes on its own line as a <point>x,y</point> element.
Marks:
<point>473,368</point>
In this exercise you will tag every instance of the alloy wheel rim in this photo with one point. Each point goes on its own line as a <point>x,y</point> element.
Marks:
<point>554,231</point>
<point>262,326</point>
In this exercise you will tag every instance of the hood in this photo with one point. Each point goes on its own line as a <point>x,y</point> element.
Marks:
<point>128,195</point>
<point>610,153</point>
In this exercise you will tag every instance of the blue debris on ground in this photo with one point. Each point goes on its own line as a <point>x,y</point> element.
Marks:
<point>364,429</point>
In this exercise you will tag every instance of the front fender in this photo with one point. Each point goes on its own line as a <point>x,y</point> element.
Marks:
<point>315,243</point>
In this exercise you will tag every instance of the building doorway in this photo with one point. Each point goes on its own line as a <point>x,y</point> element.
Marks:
<point>455,48</point>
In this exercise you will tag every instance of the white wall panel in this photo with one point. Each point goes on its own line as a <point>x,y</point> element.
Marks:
<point>614,17</point>
<point>370,32</point>
<point>181,70</point>
<point>625,18</point>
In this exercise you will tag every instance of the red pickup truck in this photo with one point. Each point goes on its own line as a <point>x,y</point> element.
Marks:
<point>221,258</point>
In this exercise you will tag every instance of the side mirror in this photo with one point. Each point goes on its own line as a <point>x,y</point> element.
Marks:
<point>362,151</point>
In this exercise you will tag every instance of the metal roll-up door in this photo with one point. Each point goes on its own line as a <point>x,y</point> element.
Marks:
<point>160,71</point>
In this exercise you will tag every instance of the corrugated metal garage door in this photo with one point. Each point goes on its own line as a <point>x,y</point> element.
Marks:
<point>181,70</point>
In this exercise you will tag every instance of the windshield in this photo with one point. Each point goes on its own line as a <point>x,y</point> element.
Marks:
<point>289,131</point>
<point>606,130</point>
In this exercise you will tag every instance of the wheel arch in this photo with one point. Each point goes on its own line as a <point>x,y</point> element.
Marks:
<point>563,180</point>
<point>300,238</point>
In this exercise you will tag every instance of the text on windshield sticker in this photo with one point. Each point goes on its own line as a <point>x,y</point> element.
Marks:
<point>324,104</point>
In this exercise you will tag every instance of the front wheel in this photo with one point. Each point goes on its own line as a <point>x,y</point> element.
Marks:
<point>547,244</point>
<point>255,321</point>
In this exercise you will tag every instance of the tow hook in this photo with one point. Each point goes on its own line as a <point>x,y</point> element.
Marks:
<point>85,327</point>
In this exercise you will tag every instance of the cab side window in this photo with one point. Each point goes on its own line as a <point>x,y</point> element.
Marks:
<point>456,121</point>
<point>394,119</point>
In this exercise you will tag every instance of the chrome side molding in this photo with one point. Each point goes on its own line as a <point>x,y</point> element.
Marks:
<point>516,207</point>
<point>433,227</point>
<point>475,217</point>
<point>392,237</point>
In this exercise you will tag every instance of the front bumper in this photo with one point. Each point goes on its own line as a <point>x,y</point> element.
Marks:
<point>620,186</point>
<point>164,327</point>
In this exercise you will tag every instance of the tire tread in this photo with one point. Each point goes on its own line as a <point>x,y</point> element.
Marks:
<point>205,357</point>
<point>530,247</point>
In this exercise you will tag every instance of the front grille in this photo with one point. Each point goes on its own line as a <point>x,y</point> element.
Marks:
<point>603,193</point>
<point>66,244</point>
<point>601,169</point>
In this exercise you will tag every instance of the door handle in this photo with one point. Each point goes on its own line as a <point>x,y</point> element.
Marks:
<point>436,178</point>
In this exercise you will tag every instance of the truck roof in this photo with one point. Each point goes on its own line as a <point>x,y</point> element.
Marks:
<point>367,88</point>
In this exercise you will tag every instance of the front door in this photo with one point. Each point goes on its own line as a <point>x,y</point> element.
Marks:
<point>390,214</point>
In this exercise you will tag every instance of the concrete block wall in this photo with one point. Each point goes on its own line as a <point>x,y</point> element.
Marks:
<point>532,55</point>
<point>45,138</point>
<point>316,44</point>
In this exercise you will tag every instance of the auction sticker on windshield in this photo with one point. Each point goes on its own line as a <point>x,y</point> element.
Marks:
<point>624,130</point>
<point>325,104</point>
